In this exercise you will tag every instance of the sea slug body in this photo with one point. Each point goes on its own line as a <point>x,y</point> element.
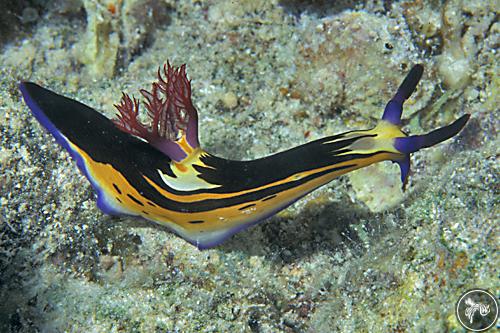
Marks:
<point>159,171</point>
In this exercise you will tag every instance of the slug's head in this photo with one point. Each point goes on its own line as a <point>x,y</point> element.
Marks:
<point>173,120</point>
<point>405,145</point>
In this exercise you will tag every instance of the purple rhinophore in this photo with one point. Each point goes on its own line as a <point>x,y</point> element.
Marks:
<point>394,108</point>
<point>410,82</point>
<point>393,111</point>
<point>409,144</point>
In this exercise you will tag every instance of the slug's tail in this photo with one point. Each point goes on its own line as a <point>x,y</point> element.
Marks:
<point>405,145</point>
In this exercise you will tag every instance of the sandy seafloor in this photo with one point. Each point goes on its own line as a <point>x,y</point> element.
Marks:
<point>357,255</point>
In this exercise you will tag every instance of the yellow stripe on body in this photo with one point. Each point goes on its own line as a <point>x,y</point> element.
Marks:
<point>217,214</point>
<point>204,196</point>
<point>383,141</point>
<point>105,176</point>
<point>217,220</point>
<point>186,177</point>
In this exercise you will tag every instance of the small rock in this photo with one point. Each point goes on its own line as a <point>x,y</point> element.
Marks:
<point>230,100</point>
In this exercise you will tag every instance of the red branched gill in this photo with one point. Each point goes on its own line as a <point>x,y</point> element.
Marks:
<point>169,109</point>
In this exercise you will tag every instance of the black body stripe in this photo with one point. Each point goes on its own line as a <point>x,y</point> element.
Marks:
<point>135,159</point>
<point>211,204</point>
<point>236,176</point>
<point>134,199</point>
<point>117,188</point>
<point>247,206</point>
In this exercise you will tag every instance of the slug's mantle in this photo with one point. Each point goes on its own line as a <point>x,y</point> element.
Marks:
<point>158,170</point>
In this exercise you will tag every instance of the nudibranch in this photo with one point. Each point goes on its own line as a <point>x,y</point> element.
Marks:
<point>159,171</point>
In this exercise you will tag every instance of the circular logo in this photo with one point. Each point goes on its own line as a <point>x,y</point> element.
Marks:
<point>477,310</point>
